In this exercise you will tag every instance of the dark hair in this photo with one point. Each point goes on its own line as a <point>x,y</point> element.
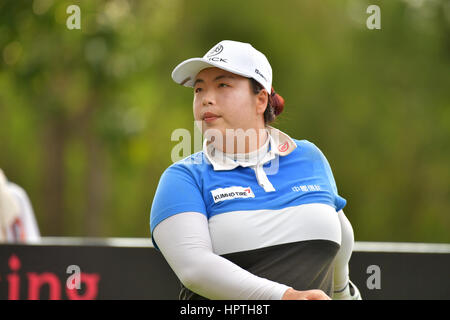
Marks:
<point>275,104</point>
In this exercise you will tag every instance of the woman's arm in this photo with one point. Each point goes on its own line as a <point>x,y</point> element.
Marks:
<point>185,242</point>
<point>341,271</point>
<point>341,278</point>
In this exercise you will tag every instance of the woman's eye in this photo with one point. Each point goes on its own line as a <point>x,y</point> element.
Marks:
<point>223,85</point>
<point>197,90</point>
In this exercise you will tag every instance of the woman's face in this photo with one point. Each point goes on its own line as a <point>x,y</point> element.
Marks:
<point>224,100</point>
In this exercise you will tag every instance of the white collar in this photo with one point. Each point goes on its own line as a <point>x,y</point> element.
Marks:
<point>278,143</point>
<point>247,159</point>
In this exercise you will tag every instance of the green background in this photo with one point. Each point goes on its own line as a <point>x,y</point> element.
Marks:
<point>86,116</point>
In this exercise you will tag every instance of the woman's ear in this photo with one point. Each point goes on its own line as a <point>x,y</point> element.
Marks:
<point>262,98</point>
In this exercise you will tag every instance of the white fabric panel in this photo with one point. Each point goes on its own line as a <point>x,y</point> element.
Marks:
<point>247,230</point>
<point>185,242</point>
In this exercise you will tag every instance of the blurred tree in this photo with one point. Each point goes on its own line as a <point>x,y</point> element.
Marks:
<point>87,115</point>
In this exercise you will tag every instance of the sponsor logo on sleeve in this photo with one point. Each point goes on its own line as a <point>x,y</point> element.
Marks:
<point>306,188</point>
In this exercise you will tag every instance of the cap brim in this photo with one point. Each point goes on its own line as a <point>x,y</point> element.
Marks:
<point>186,71</point>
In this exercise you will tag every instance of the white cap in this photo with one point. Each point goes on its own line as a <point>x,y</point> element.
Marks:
<point>233,56</point>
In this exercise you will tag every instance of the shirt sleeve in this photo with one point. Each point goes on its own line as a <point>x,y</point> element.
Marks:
<point>341,269</point>
<point>185,243</point>
<point>339,201</point>
<point>177,192</point>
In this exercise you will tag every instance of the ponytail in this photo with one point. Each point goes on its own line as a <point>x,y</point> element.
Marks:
<point>275,103</point>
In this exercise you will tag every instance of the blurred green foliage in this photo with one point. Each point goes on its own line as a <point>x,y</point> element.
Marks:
<point>86,115</point>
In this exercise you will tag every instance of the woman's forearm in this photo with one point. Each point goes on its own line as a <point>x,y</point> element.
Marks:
<point>185,242</point>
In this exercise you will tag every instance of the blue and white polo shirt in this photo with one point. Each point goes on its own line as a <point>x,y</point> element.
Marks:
<point>276,218</point>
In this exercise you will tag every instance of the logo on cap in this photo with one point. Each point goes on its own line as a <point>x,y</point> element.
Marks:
<point>215,51</point>
<point>259,73</point>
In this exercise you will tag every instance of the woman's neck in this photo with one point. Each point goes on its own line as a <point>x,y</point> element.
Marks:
<point>241,142</point>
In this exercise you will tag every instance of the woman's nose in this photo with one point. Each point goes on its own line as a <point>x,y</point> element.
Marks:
<point>207,99</point>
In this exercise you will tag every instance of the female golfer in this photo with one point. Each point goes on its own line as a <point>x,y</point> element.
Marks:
<point>255,214</point>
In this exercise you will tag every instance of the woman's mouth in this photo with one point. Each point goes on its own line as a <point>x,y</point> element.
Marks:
<point>210,117</point>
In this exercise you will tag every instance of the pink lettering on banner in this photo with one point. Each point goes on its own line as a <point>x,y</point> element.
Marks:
<point>91,281</point>
<point>13,279</point>
<point>37,281</point>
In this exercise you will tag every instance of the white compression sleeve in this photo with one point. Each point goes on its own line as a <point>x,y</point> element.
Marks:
<point>185,243</point>
<point>341,270</point>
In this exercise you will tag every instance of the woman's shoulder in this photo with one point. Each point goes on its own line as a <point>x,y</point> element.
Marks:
<point>306,145</point>
<point>310,150</point>
<point>193,164</point>
<point>191,160</point>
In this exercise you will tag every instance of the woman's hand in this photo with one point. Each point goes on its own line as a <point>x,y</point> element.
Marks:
<point>292,294</point>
